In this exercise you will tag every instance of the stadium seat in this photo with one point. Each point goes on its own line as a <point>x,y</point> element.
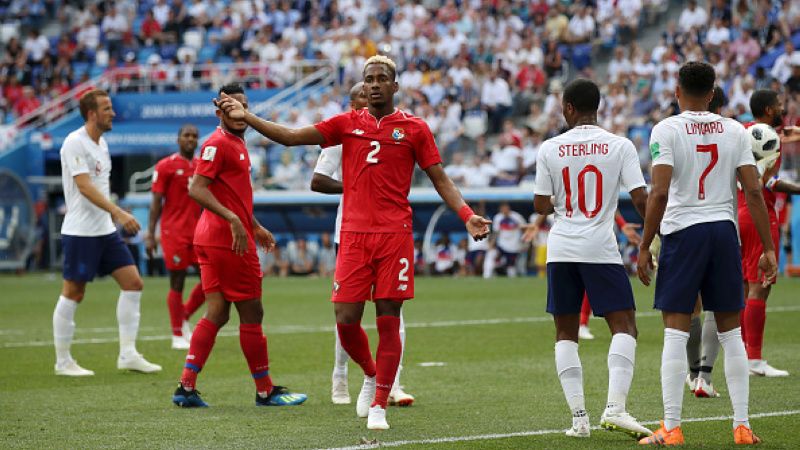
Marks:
<point>581,56</point>
<point>144,53</point>
<point>207,52</point>
<point>193,39</point>
<point>168,51</point>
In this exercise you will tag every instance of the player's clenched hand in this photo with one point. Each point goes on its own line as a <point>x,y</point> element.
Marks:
<point>478,227</point>
<point>629,230</point>
<point>768,266</point>
<point>645,266</point>
<point>150,245</point>
<point>531,230</point>
<point>128,222</point>
<point>230,106</point>
<point>264,238</point>
<point>239,234</point>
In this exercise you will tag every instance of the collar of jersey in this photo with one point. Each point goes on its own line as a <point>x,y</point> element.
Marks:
<point>378,121</point>
<point>230,134</point>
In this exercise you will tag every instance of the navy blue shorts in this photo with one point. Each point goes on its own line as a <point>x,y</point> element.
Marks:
<point>508,258</point>
<point>607,285</point>
<point>703,258</point>
<point>88,256</point>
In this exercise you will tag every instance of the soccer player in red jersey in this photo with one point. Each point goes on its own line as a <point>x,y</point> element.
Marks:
<point>225,243</point>
<point>179,216</point>
<point>381,145</point>
<point>766,108</point>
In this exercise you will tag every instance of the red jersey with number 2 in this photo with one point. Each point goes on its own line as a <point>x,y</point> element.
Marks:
<point>378,158</point>
<point>180,213</point>
<point>224,159</point>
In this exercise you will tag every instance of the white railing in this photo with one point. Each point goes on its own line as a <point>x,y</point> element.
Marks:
<point>146,79</point>
<point>322,78</point>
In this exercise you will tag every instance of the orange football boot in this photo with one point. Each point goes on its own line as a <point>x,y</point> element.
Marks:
<point>664,437</point>
<point>745,436</point>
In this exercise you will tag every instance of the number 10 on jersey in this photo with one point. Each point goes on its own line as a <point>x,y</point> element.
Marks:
<point>581,182</point>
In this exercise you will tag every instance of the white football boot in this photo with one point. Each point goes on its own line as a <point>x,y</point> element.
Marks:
<point>761,368</point>
<point>398,397</point>
<point>580,427</point>
<point>340,393</point>
<point>584,333</point>
<point>703,389</point>
<point>71,368</point>
<point>624,422</point>
<point>365,397</point>
<point>180,343</point>
<point>376,420</point>
<point>136,362</point>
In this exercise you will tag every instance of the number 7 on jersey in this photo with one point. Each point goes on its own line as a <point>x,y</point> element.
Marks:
<point>712,149</point>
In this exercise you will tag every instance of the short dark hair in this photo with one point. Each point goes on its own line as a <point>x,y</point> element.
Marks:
<point>186,126</point>
<point>88,101</point>
<point>696,78</point>
<point>761,100</point>
<point>231,88</point>
<point>718,101</point>
<point>583,95</point>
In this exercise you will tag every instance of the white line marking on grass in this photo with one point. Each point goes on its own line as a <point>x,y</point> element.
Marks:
<point>298,329</point>
<point>487,437</point>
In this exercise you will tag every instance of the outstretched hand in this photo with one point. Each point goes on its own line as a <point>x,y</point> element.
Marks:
<point>478,227</point>
<point>230,106</point>
<point>531,230</point>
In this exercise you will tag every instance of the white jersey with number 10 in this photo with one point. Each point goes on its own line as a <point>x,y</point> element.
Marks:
<point>584,169</point>
<point>704,150</point>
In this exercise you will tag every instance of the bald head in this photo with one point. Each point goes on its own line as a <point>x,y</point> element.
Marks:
<point>358,98</point>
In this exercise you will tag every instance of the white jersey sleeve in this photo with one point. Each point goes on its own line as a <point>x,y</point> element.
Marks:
<point>329,164</point>
<point>704,150</point>
<point>74,157</point>
<point>584,170</point>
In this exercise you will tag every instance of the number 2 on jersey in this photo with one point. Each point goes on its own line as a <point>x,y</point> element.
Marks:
<point>712,149</point>
<point>598,189</point>
<point>371,156</point>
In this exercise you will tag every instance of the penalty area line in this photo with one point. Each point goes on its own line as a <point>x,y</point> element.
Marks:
<point>493,436</point>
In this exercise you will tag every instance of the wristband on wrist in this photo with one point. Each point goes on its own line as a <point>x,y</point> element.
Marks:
<point>620,221</point>
<point>465,213</point>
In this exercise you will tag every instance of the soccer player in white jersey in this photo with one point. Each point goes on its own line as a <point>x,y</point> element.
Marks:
<point>697,157</point>
<point>327,180</point>
<point>578,176</point>
<point>90,240</point>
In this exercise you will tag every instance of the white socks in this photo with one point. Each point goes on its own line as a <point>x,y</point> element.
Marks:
<point>674,368</point>
<point>402,351</point>
<point>621,359</point>
<point>710,346</point>
<point>128,319</point>
<point>64,328</point>
<point>340,357</point>
<point>737,374</point>
<point>570,373</point>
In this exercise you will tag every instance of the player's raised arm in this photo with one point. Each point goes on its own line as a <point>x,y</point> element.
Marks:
<point>283,135</point>
<point>198,190</point>
<point>477,226</point>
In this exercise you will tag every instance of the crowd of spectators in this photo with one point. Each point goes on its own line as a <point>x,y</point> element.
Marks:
<point>485,74</point>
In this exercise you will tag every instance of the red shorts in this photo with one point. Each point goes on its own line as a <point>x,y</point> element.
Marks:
<point>752,248</point>
<point>373,266</point>
<point>236,277</point>
<point>178,255</point>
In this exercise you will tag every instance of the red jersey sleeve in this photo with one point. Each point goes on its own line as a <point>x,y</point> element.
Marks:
<point>161,175</point>
<point>211,161</point>
<point>425,151</point>
<point>332,129</point>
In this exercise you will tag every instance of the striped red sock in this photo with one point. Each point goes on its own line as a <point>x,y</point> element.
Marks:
<point>203,337</point>
<point>356,343</point>
<point>387,357</point>
<point>755,316</point>
<point>254,347</point>
<point>586,310</point>
<point>175,307</point>
<point>196,300</point>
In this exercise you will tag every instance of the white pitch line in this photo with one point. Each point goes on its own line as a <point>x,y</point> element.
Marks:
<point>299,329</point>
<point>487,437</point>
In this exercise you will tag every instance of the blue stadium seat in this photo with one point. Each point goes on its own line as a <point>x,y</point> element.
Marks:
<point>581,56</point>
<point>96,71</point>
<point>168,51</point>
<point>79,68</point>
<point>144,53</point>
<point>206,53</point>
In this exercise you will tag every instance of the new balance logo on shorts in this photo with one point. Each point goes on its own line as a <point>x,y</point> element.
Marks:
<point>402,287</point>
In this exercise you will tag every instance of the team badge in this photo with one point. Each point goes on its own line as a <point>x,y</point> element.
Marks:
<point>209,152</point>
<point>398,134</point>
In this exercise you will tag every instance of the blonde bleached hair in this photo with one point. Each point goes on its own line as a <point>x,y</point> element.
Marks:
<point>385,60</point>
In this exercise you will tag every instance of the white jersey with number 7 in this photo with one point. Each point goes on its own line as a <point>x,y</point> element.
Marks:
<point>584,169</point>
<point>704,150</point>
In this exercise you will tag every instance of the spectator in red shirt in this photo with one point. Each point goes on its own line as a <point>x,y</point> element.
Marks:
<point>151,29</point>
<point>28,103</point>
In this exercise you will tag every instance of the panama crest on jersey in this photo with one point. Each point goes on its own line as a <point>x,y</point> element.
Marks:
<point>398,134</point>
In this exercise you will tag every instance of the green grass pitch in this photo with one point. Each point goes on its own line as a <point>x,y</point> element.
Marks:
<point>492,336</point>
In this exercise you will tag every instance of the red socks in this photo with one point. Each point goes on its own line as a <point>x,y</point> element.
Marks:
<point>175,306</point>
<point>755,316</point>
<point>388,357</point>
<point>254,347</point>
<point>586,310</point>
<point>202,342</point>
<point>196,300</point>
<point>355,342</point>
